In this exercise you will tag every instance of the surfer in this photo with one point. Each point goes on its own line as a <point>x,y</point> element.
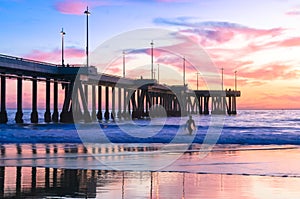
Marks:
<point>190,125</point>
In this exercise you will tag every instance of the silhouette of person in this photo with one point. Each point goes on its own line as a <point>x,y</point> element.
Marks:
<point>190,125</point>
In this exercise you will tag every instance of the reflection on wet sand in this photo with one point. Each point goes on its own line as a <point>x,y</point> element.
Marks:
<point>29,182</point>
<point>35,170</point>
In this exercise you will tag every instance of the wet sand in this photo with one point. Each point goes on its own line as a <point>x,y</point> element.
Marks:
<point>40,182</point>
<point>230,171</point>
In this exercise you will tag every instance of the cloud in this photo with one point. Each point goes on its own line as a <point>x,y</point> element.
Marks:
<point>293,13</point>
<point>193,22</point>
<point>209,33</point>
<point>157,52</point>
<point>290,42</point>
<point>270,71</point>
<point>55,55</point>
<point>77,7</point>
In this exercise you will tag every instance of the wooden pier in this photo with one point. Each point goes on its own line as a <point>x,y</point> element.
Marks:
<point>130,98</point>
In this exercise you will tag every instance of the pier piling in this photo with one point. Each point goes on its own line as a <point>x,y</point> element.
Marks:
<point>47,115</point>
<point>19,114</point>
<point>34,113</point>
<point>3,113</point>
<point>99,113</point>
<point>55,102</point>
<point>106,113</point>
<point>93,116</point>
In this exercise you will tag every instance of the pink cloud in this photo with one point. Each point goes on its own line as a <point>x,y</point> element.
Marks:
<point>220,35</point>
<point>293,13</point>
<point>55,55</point>
<point>77,7</point>
<point>117,71</point>
<point>290,42</point>
<point>209,33</point>
<point>270,72</point>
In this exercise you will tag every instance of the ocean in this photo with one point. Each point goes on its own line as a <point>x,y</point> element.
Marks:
<point>248,127</point>
<point>254,154</point>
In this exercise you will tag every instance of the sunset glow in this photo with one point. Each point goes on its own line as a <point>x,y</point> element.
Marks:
<point>259,40</point>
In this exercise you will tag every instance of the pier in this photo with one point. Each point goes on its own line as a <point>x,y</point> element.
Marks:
<point>123,98</point>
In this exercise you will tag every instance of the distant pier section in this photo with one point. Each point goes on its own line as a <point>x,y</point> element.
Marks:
<point>123,98</point>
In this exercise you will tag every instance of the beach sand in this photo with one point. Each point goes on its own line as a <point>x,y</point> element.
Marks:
<point>229,171</point>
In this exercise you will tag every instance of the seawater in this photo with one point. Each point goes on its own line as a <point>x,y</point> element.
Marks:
<point>253,127</point>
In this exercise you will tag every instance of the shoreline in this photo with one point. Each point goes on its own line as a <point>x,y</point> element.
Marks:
<point>277,161</point>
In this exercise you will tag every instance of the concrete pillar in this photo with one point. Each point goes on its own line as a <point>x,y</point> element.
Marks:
<point>147,104</point>
<point>234,105</point>
<point>134,109</point>
<point>106,114</point>
<point>55,102</point>
<point>206,105</point>
<point>200,105</point>
<point>128,105</point>
<point>19,114</point>
<point>229,111</point>
<point>99,113</point>
<point>124,103</point>
<point>64,113</point>
<point>113,107</point>
<point>142,103</point>
<point>213,104</point>
<point>86,96</point>
<point>119,102</point>
<point>86,114</point>
<point>93,102</point>
<point>86,93</point>
<point>34,113</point>
<point>223,105</point>
<point>139,104</point>
<point>47,115</point>
<point>3,113</point>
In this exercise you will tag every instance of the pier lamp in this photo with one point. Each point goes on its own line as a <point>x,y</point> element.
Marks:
<point>124,63</point>
<point>152,59</point>
<point>158,73</point>
<point>62,47</point>
<point>183,71</point>
<point>222,78</point>
<point>87,13</point>
<point>235,81</point>
<point>197,79</point>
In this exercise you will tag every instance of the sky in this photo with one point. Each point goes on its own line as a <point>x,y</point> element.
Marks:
<point>258,39</point>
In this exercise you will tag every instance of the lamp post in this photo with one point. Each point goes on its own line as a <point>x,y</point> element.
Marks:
<point>183,71</point>
<point>124,64</point>
<point>152,59</point>
<point>222,78</point>
<point>87,13</point>
<point>62,47</point>
<point>235,81</point>
<point>158,73</point>
<point>197,79</point>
